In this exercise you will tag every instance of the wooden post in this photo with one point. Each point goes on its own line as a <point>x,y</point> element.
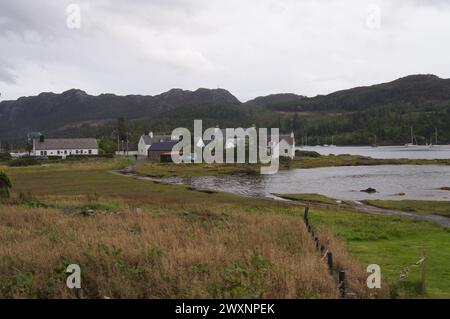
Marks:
<point>330,260</point>
<point>305,216</point>
<point>309,228</point>
<point>342,283</point>
<point>322,249</point>
<point>424,265</point>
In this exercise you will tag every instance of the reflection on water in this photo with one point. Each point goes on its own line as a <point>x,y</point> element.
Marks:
<point>386,152</point>
<point>417,182</point>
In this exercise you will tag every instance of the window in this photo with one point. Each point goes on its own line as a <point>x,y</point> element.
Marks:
<point>90,151</point>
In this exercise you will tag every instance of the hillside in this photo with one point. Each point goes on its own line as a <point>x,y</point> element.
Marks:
<point>276,99</point>
<point>385,112</point>
<point>409,89</point>
<point>74,109</point>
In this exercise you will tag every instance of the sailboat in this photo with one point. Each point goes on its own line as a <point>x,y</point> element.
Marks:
<point>375,143</point>
<point>332,142</point>
<point>412,140</point>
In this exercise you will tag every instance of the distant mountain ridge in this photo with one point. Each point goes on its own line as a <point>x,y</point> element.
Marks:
<point>420,100</point>
<point>50,112</point>
<point>410,89</point>
<point>274,99</point>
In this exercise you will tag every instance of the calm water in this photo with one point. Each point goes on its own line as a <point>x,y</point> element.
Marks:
<point>386,152</point>
<point>418,182</point>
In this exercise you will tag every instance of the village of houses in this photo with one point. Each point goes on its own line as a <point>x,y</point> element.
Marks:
<point>153,147</point>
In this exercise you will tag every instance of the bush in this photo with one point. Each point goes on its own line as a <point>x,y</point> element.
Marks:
<point>307,154</point>
<point>5,157</point>
<point>5,184</point>
<point>23,161</point>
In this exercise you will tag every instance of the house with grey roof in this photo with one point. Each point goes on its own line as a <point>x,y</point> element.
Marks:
<point>149,139</point>
<point>64,147</point>
<point>286,145</point>
<point>156,150</point>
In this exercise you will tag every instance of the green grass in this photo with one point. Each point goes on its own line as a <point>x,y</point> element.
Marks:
<point>194,169</point>
<point>423,207</point>
<point>317,198</point>
<point>354,160</point>
<point>393,243</point>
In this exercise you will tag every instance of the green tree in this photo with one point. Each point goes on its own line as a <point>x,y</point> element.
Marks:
<point>121,128</point>
<point>29,148</point>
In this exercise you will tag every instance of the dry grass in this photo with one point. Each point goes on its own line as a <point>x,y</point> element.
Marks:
<point>195,254</point>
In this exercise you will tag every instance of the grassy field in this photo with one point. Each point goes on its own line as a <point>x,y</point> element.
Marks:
<point>150,240</point>
<point>190,170</point>
<point>424,207</point>
<point>262,244</point>
<point>394,244</point>
<point>354,160</point>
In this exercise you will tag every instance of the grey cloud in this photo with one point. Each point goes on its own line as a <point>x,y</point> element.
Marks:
<point>250,47</point>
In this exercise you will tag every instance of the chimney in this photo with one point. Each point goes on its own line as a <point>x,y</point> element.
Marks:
<point>42,139</point>
<point>150,134</point>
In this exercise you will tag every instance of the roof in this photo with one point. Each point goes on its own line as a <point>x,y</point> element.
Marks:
<point>287,138</point>
<point>284,137</point>
<point>162,146</point>
<point>156,138</point>
<point>66,143</point>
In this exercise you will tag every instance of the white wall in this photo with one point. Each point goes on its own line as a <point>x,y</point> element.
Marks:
<point>61,152</point>
<point>142,147</point>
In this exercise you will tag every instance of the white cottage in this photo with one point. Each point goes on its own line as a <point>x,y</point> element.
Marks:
<point>64,146</point>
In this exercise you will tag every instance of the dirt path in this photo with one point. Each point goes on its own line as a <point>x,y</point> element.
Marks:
<point>364,208</point>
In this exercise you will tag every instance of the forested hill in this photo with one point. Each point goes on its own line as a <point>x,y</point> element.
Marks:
<point>384,113</point>
<point>411,89</point>
<point>76,110</point>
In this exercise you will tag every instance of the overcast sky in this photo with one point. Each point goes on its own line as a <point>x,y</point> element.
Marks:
<point>250,47</point>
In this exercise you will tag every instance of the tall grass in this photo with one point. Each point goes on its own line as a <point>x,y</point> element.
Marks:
<point>195,254</point>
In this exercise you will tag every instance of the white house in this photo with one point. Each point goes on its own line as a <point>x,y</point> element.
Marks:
<point>286,145</point>
<point>64,146</point>
<point>147,140</point>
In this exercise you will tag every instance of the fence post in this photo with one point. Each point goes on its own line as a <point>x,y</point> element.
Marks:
<point>342,283</point>
<point>330,260</point>
<point>305,216</point>
<point>322,249</point>
<point>424,265</point>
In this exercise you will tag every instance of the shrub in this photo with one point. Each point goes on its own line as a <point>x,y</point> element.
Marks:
<point>23,161</point>
<point>5,157</point>
<point>307,153</point>
<point>5,184</point>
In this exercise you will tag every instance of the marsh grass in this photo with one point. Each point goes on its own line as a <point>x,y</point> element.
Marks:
<point>194,254</point>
